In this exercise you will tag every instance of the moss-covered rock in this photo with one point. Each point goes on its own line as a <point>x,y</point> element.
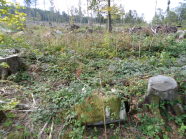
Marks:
<point>98,108</point>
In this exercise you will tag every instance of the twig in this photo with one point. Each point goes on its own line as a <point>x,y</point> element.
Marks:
<point>62,127</point>
<point>42,130</point>
<point>34,101</point>
<point>100,81</point>
<point>26,110</point>
<point>153,30</point>
<point>83,83</point>
<point>51,130</point>
<point>104,120</point>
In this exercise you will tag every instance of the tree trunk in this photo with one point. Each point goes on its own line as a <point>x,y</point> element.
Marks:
<point>109,18</point>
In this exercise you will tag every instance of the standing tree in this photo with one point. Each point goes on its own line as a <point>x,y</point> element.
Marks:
<point>171,18</point>
<point>109,17</point>
<point>158,19</point>
<point>104,5</point>
<point>52,7</point>
<point>44,4</point>
<point>80,14</point>
<point>28,3</point>
<point>122,13</point>
<point>168,6</point>
<point>181,12</point>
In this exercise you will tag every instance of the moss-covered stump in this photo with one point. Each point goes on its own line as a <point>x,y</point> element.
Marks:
<point>98,109</point>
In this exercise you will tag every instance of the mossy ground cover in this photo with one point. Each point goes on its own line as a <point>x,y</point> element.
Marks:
<point>63,70</point>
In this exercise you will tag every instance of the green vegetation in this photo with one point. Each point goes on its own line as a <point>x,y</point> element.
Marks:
<point>15,19</point>
<point>64,69</point>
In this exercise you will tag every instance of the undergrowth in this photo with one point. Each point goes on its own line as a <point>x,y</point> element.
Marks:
<point>64,69</point>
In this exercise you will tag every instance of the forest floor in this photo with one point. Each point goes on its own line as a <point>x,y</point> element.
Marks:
<point>63,67</point>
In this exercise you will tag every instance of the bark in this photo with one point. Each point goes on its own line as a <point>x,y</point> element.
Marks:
<point>109,17</point>
<point>15,65</point>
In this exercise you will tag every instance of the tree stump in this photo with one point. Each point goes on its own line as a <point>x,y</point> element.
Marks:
<point>163,86</point>
<point>164,89</point>
<point>14,65</point>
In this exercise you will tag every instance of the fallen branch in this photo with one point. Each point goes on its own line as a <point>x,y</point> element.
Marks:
<point>18,106</point>
<point>42,130</point>
<point>153,30</point>
<point>51,130</point>
<point>34,101</point>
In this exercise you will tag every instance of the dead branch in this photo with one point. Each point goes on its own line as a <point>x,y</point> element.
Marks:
<point>42,130</point>
<point>18,106</point>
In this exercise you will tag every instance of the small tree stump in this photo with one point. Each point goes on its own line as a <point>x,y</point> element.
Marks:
<point>163,86</point>
<point>14,65</point>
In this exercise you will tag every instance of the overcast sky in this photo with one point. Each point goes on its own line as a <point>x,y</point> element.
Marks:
<point>146,7</point>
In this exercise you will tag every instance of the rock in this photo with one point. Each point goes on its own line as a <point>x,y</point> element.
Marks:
<point>162,86</point>
<point>9,65</point>
<point>2,116</point>
<point>96,109</point>
<point>181,34</point>
<point>58,32</point>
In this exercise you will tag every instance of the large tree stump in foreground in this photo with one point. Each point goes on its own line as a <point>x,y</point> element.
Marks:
<point>162,88</point>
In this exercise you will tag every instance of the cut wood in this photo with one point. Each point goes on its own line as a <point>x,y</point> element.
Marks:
<point>163,87</point>
<point>14,65</point>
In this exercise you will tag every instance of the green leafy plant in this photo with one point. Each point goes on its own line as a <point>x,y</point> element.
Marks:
<point>4,65</point>
<point>16,19</point>
<point>9,105</point>
<point>151,126</point>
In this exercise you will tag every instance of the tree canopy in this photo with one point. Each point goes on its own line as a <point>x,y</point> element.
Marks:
<point>10,14</point>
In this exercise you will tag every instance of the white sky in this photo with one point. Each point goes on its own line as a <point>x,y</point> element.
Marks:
<point>146,7</point>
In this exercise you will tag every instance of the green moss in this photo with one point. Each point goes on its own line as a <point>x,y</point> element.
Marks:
<point>15,135</point>
<point>92,109</point>
<point>114,103</point>
<point>155,102</point>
